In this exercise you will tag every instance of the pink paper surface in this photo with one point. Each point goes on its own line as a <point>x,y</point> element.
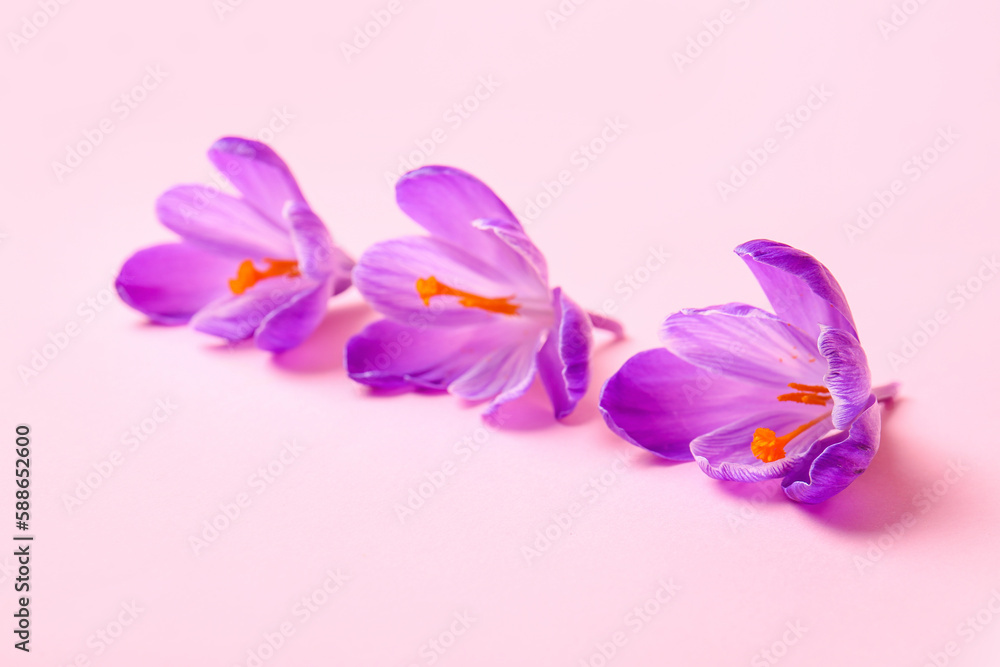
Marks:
<point>608,127</point>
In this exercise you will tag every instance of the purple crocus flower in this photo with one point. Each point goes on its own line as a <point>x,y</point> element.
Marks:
<point>469,308</point>
<point>753,395</point>
<point>261,264</point>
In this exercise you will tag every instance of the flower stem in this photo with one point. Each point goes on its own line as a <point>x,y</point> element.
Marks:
<point>608,324</point>
<point>886,392</point>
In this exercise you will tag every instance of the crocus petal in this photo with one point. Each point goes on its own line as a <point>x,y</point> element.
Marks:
<point>743,342</point>
<point>661,402</point>
<point>222,223</point>
<point>504,373</point>
<point>262,177</point>
<point>725,453</point>
<point>171,282</point>
<point>455,207</point>
<point>510,232</point>
<point>319,258</point>
<point>446,201</point>
<point>287,326</point>
<point>563,361</point>
<point>836,460</point>
<point>848,377</point>
<point>387,274</point>
<point>388,354</point>
<point>237,316</point>
<point>801,290</point>
<point>474,362</point>
<point>514,389</point>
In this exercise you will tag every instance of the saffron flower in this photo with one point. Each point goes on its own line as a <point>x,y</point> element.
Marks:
<point>261,264</point>
<point>468,309</point>
<point>753,395</point>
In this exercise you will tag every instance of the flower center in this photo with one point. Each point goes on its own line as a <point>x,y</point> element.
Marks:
<point>247,275</point>
<point>431,287</point>
<point>767,445</point>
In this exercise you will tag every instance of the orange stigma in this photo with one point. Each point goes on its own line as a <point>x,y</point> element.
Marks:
<point>769,447</point>
<point>247,275</point>
<point>808,394</point>
<point>430,287</point>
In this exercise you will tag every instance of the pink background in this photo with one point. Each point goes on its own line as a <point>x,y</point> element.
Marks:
<point>887,573</point>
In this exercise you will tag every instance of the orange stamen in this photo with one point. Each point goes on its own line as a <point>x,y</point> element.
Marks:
<point>809,394</point>
<point>430,287</point>
<point>816,389</point>
<point>808,399</point>
<point>769,447</point>
<point>247,274</point>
